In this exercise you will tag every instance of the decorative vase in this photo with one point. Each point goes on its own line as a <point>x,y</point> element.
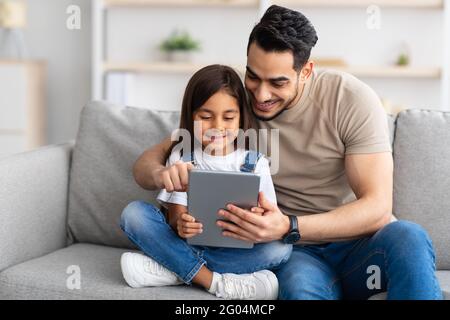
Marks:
<point>12,21</point>
<point>12,45</point>
<point>183,56</point>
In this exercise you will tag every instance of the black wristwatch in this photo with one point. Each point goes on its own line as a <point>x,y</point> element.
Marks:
<point>293,235</point>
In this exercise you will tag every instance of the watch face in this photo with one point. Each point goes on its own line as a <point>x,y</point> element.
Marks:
<point>292,237</point>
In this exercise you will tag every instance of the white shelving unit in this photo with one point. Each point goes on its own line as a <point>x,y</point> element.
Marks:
<point>102,66</point>
<point>181,3</point>
<point>421,4</point>
<point>362,71</point>
<point>22,105</point>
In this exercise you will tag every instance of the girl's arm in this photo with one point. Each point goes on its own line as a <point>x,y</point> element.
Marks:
<point>182,222</point>
<point>174,212</point>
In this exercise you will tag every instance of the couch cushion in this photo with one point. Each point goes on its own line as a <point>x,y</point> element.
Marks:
<point>444,280</point>
<point>391,125</point>
<point>110,139</point>
<point>101,278</point>
<point>422,175</point>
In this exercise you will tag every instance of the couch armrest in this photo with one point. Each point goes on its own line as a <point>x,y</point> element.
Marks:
<point>33,203</point>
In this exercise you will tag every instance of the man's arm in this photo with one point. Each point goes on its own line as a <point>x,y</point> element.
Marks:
<point>150,171</point>
<point>151,160</point>
<point>371,178</point>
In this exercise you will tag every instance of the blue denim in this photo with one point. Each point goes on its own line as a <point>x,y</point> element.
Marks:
<point>146,226</point>
<point>401,251</point>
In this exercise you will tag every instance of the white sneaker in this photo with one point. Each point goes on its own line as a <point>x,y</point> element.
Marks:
<point>141,271</point>
<point>261,285</point>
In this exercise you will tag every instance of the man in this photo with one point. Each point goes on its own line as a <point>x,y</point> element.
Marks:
<point>334,183</point>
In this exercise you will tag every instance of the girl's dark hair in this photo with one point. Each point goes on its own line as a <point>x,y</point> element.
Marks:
<point>282,29</point>
<point>204,84</point>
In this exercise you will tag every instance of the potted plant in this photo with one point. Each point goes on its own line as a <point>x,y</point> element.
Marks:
<point>403,58</point>
<point>179,46</point>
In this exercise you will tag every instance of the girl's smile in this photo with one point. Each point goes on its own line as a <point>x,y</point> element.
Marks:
<point>219,120</point>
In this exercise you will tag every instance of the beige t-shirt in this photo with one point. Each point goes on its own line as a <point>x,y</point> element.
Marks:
<point>337,115</point>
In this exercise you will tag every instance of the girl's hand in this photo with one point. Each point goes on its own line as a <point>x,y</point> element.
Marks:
<point>187,227</point>
<point>257,210</point>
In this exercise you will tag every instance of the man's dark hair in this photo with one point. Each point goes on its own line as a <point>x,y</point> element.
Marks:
<point>282,29</point>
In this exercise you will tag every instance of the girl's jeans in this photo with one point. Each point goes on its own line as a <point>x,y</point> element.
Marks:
<point>146,226</point>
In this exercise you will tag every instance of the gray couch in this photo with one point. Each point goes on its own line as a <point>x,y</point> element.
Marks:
<point>60,205</point>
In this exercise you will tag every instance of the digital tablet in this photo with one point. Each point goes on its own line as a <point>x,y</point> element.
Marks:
<point>210,191</point>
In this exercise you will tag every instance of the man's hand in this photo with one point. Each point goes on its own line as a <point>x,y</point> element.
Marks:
<point>174,177</point>
<point>271,225</point>
<point>257,210</point>
<point>150,171</point>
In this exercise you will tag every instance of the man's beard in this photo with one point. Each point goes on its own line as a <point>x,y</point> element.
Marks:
<point>286,106</point>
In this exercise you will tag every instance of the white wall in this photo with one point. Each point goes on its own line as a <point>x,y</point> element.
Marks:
<point>343,33</point>
<point>68,56</point>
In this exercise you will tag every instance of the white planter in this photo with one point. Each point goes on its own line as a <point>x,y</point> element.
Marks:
<point>179,56</point>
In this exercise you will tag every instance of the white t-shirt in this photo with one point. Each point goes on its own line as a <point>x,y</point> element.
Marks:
<point>229,162</point>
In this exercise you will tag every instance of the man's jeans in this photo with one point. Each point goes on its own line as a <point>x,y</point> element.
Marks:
<point>398,259</point>
<point>146,226</point>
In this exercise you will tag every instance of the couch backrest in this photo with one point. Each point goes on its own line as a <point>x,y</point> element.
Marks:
<point>109,141</point>
<point>111,138</point>
<point>422,175</point>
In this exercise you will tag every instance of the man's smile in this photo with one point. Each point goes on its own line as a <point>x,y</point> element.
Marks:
<point>266,106</point>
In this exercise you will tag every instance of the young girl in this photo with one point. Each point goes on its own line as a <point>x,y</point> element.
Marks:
<point>215,96</point>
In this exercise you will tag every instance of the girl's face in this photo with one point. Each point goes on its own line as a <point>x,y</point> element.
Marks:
<point>216,123</point>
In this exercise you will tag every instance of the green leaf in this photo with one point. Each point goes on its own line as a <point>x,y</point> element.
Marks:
<point>180,41</point>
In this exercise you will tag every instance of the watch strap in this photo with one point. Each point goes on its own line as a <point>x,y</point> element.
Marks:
<point>293,223</point>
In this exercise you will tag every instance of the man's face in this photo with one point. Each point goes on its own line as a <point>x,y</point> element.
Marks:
<point>272,82</point>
